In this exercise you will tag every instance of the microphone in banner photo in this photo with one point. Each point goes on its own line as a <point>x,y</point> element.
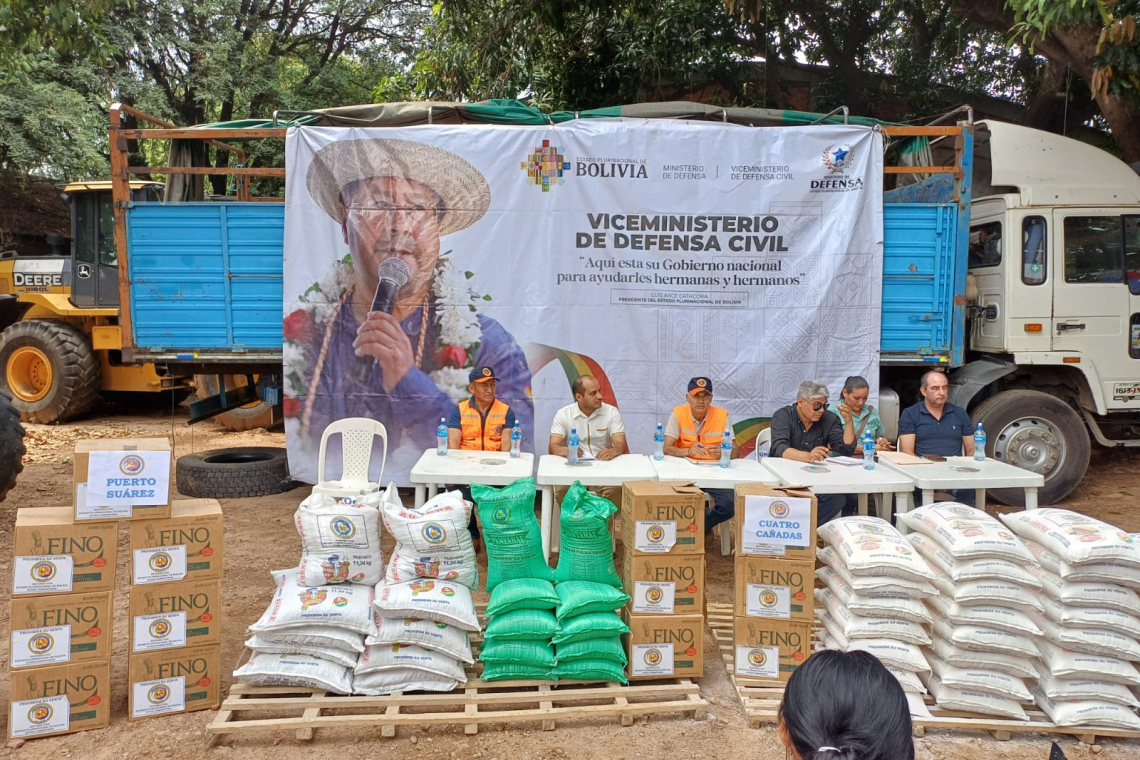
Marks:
<point>393,275</point>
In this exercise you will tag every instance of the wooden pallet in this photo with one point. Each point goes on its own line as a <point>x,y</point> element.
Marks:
<point>251,709</point>
<point>762,703</point>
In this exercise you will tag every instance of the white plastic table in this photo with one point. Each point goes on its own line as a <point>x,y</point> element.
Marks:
<point>491,468</point>
<point>964,472</point>
<point>673,469</point>
<point>553,471</point>
<point>824,478</point>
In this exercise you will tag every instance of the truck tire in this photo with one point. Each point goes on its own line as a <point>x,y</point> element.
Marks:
<point>233,473</point>
<point>1039,432</point>
<point>251,417</point>
<point>11,446</point>
<point>49,369</point>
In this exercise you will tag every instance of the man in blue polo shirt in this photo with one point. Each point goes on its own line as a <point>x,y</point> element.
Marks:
<point>933,426</point>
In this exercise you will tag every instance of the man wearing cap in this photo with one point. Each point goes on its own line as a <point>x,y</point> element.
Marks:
<point>395,199</point>
<point>806,431</point>
<point>695,430</point>
<point>480,423</point>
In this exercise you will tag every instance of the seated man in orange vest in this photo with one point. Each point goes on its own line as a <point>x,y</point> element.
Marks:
<point>480,423</point>
<point>695,430</point>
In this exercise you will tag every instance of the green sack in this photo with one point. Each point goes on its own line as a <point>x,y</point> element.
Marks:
<point>608,648</point>
<point>582,597</point>
<point>590,670</point>
<point>511,671</point>
<point>510,532</point>
<point>539,654</point>
<point>595,625</point>
<point>522,625</point>
<point>522,594</point>
<point>586,548</point>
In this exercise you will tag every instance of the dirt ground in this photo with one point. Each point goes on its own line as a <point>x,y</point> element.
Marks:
<point>260,537</point>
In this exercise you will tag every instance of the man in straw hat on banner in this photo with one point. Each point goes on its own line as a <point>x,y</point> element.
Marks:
<point>393,331</point>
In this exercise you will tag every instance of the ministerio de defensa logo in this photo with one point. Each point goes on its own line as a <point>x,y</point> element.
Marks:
<point>544,166</point>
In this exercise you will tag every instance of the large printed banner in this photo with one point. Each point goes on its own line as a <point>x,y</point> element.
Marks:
<point>641,252</point>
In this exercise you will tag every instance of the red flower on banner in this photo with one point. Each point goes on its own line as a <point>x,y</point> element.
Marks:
<point>299,326</point>
<point>292,407</point>
<point>451,356</point>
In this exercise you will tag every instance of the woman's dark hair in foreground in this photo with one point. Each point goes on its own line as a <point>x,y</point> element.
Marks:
<point>845,706</point>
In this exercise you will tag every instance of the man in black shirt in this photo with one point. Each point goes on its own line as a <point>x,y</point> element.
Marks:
<point>806,431</point>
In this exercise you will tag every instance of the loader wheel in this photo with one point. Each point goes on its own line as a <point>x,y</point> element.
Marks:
<point>233,473</point>
<point>49,369</point>
<point>249,417</point>
<point>11,446</point>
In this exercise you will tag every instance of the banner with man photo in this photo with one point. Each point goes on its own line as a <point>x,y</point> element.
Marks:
<point>644,253</point>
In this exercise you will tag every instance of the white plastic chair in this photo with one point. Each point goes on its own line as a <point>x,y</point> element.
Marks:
<point>763,443</point>
<point>356,437</point>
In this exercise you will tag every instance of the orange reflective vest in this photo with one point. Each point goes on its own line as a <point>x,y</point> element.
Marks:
<point>479,433</point>
<point>712,432</point>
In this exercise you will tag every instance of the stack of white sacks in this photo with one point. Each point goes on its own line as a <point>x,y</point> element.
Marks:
<point>873,600</point>
<point>424,610</point>
<point>985,632</point>
<point>1089,572</point>
<point>313,632</point>
<point>344,623</point>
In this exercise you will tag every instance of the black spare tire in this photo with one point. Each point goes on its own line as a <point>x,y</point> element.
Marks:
<point>11,445</point>
<point>234,473</point>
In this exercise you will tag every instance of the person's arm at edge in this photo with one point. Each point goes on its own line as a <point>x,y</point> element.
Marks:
<point>454,437</point>
<point>907,433</point>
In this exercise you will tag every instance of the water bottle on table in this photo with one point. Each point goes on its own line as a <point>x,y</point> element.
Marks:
<point>726,450</point>
<point>441,438</point>
<point>868,451</point>
<point>516,440</point>
<point>659,444</point>
<point>980,444</point>
<point>572,442</point>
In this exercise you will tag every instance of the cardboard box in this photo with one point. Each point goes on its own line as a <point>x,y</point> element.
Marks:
<point>776,521</point>
<point>666,584</point>
<point>58,630</point>
<point>175,615</point>
<point>135,477</point>
<point>174,681</point>
<point>55,555</point>
<point>185,547</point>
<point>662,518</point>
<point>665,646</point>
<point>774,588</point>
<point>61,699</point>
<point>769,651</point>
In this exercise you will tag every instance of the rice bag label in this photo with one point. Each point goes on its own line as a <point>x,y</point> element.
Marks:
<point>343,532</point>
<point>32,647</point>
<point>166,695</point>
<point>655,536</point>
<point>43,575</point>
<point>128,478</point>
<point>769,601</point>
<point>85,511</point>
<point>161,564</point>
<point>757,662</point>
<point>651,660</point>
<point>32,717</point>
<point>654,596</point>
<point>166,630</point>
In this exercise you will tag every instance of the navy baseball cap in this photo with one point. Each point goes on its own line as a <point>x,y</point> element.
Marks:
<point>698,384</point>
<point>481,375</point>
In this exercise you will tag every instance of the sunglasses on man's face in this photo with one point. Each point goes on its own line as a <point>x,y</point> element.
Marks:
<point>817,405</point>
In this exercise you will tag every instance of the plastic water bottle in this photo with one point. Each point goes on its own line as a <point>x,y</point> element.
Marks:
<point>659,444</point>
<point>726,450</point>
<point>979,444</point>
<point>516,440</point>
<point>573,443</point>
<point>441,438</point>
<point>868,451</point>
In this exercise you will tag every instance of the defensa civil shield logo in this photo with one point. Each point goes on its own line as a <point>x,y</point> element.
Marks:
<point>343,528</point>
<point>779,509</point>
<point>757,658</point>
<point>652,657</point>
<point>132,465</point>
<point>158,694</point>
<point>40,713</point>
<point>544,166</point>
